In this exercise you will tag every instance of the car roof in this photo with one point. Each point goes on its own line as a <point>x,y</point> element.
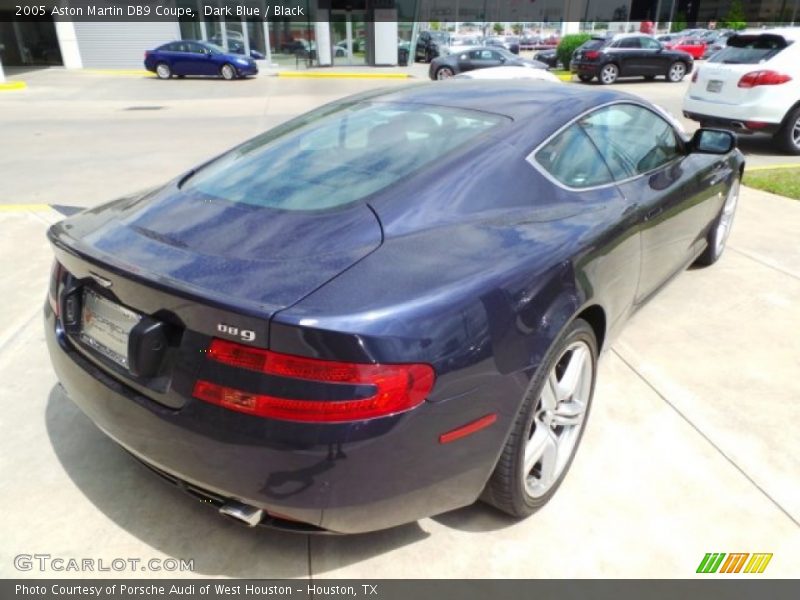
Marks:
<point>789,33</point>
<point>552,102</point>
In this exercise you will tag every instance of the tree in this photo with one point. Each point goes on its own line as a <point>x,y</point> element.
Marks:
<point>568,45</point>
<point>517,28</point>
<point>679,24</point>
<point>498,28</point>
<point>735,17</point>
<point>434,25</point>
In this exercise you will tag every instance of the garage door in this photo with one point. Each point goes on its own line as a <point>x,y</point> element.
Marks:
<point>121,45</point>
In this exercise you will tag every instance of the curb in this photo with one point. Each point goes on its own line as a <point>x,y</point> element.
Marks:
<point>772,167</point>
<point>121,72</point>
<point>340,75</point>
<point>13,85</point>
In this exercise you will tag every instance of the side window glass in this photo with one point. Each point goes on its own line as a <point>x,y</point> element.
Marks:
<point>573,159</point>
<point>632,139</point>
<point>650,44</point>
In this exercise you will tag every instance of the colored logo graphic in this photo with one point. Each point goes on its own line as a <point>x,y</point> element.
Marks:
<point>742,562</point>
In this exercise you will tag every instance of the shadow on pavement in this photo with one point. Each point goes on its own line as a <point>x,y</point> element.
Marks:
<point>173,523</point>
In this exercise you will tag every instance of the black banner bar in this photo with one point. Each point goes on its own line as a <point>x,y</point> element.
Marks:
<point>397,589</point>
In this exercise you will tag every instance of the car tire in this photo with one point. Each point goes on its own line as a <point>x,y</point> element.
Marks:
<point>444,73</point>
<point>585,78</point>
<point>519,487</point>
<point>608,74</point>
<point>677,71</point>
<point>227,72</point>
<point>789,134</point>
<point>721,228</point>
<point>163,70</point>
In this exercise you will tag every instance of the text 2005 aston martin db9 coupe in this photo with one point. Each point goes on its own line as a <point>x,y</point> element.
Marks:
<point>386,308</point>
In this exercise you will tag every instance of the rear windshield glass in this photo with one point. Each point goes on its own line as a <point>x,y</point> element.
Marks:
<point>340,154</point>
<point>593,44</point>
<point>749,49</point>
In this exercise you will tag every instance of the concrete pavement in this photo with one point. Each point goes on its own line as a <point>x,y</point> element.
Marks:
<point>691,447</point>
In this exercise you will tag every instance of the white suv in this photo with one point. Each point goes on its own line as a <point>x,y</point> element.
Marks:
<point>752,85</point>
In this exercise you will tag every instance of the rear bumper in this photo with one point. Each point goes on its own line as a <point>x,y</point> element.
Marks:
<point>736,115</point>
<point>344,478</point>
<point>583,68</point>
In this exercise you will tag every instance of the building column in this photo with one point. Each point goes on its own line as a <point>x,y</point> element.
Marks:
<point>322,35</point>
<point>68,43</point>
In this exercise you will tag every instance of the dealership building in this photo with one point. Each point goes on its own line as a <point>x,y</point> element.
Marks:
<point>351,32</point>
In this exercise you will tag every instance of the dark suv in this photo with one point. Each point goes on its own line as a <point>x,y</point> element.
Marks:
<point>633,55</point>
<point>430,45</point>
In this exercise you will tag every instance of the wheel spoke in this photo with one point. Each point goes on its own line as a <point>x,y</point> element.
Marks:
<point>572,374</point>
<point>550,392</point>
<point>543,447</point>
<point>549,462</point>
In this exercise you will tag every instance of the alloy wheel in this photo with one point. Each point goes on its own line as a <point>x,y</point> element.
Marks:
<point>558,419</point>
<point>608,74</point>
<point>796,134</point>
<point>677,72</point>
<point>163,71</point>
<point>228,72</point>
<point>726,218</point>
<point>444,73</point>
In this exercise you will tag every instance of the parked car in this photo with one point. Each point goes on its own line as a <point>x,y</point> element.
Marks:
<point>509,73</point>
<point>751,86</point>
<point>629,55</point>
<point>299,46</point>
<point>548,57</point>
<point>510,43</point>
<point>326,329</point>
<point>528,42</point>
<point>716,42</point>
<point>190,57</point>
<point>470,59</point>
<point>696,47</point>
<point>431,44</point>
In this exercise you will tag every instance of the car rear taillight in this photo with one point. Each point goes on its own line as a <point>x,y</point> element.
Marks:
<point>695,75</point>
<point>395,388</point>
<point>766,77</point>
<point>591,54</point>
<point>52,291</point>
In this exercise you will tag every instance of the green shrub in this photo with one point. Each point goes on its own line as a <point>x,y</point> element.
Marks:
<point>568,45</point>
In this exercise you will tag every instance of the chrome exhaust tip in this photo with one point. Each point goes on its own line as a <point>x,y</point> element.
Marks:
<point>249,515</point>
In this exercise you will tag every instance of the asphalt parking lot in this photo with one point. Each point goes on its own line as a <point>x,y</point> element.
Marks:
<point>693,444</point>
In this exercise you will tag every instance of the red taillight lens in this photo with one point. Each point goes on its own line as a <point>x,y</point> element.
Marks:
<point>591,54</point>
<point>766,77</point>
<point>52,292</point>
<point>695,75</point>
<point>397,387</point>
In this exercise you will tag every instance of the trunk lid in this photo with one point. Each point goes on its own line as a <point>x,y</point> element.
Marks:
<point>260,259</point>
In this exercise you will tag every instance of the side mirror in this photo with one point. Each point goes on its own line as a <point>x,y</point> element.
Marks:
<point>712,141</point>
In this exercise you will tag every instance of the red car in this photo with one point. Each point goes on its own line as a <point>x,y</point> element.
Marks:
<point>694,46</point>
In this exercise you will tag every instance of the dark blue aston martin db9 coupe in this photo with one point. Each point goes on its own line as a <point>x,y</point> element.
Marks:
<point>189,57</point>
<point>386,308</point>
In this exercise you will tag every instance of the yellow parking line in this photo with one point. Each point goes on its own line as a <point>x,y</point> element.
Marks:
<point>13,85</point>
<point>123,72</point>
<point>24,207</point>
<point>771,167</point>
<point>340,75</point>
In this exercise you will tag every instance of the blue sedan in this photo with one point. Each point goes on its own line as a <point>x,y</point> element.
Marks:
<point>189,57</point>
<point>389,307</point>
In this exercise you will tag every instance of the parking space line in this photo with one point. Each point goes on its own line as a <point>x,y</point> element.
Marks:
<point>704,436</point>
